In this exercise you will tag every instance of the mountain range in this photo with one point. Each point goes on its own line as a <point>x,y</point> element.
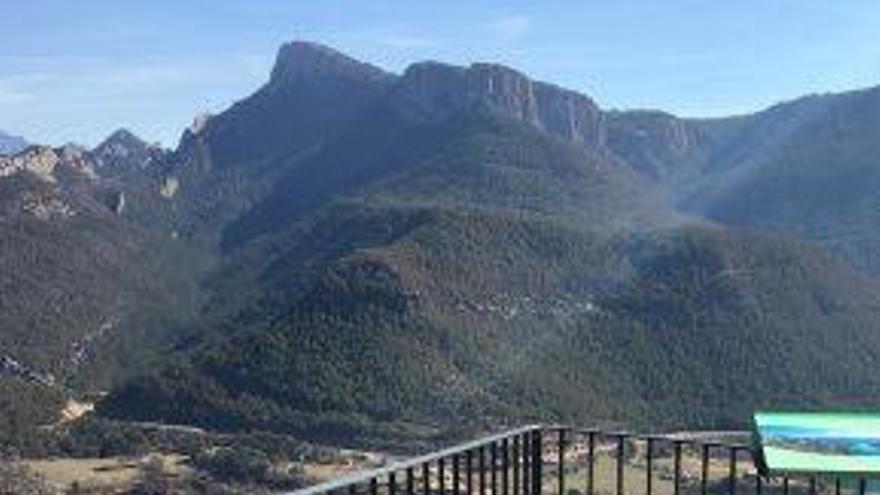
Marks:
<point>349,252</point>
<point>10,145</point>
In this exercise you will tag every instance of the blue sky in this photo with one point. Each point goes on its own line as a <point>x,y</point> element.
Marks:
<point>75,71</point>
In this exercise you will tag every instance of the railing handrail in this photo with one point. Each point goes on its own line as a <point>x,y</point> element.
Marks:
<point>367,475</point>
<point>663,437</point>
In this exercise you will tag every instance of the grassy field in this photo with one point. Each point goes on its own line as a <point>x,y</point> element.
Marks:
<point>115,472</point>
<point>636,476</point>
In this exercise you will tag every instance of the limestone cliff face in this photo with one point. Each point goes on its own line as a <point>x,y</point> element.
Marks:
<point>570,115</point>
<point>432,92</point>
<point>38,160</point>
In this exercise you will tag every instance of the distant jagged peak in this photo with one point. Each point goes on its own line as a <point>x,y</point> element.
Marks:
<point>124,148</point>
<point>121,141</point>
<point>299,61</point>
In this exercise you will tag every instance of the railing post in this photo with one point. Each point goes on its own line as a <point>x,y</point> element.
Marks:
<point>591,458</point>
<point>537,462</point>
<point>469,472</point>
<point>493,462</point>
<point>456,477</point>
<point>560,467</point>
<point>505,466</point>
<point>649,466</point>
<point>677,473</point>
<point>481,467</point>
<point>426,479</point>
<point>527,463</point>
<point>516,463</point>
<point>732,487</point>
<point>621,446</point>
<point>704,478</point>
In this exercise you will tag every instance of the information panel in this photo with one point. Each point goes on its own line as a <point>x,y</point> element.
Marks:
<point>819,443</point>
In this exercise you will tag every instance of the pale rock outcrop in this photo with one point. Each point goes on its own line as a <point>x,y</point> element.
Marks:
<point>38,160</point>
<point>169,186</point>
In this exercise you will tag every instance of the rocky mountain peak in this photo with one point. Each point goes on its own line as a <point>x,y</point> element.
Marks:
<point>121,142</point>
<point>123,148</point>
<point>300,61</point>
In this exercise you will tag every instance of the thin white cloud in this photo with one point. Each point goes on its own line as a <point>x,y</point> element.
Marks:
<point>10,94</point>
<point>510,28</point>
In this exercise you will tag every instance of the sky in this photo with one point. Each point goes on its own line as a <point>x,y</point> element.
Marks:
<point>74,71</point>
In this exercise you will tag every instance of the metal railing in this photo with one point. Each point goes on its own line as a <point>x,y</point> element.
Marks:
<point>562,460</point>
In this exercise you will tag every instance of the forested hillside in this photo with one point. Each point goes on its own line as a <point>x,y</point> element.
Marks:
<point>349,251</point>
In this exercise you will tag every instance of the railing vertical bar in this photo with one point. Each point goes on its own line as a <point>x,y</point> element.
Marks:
<point>537,462</point>
<point>560,462</point>
<point>505,466</point>
<point>441,476</point>
<point>785,485</point>
<point>621,445</point>
<point>837,485</point>
<point>392,484</point>
<point>481,468</point>
<point>374,486</point>
<point>516,473</point>
<point>704,477</point>
<point>863,486</point>
<point>591,458</point>
<point>649,466</point>
<point>469,471</point>
<point>732,480</point>
<point>352,489</point>
<point>677,469</point>
<point>456,475</point>
<point>812,485</point>
<point>426,479</point>
<point>526,463</point>
<point>410,482</point>
<point>759,485</point>
<point>493,468</point>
